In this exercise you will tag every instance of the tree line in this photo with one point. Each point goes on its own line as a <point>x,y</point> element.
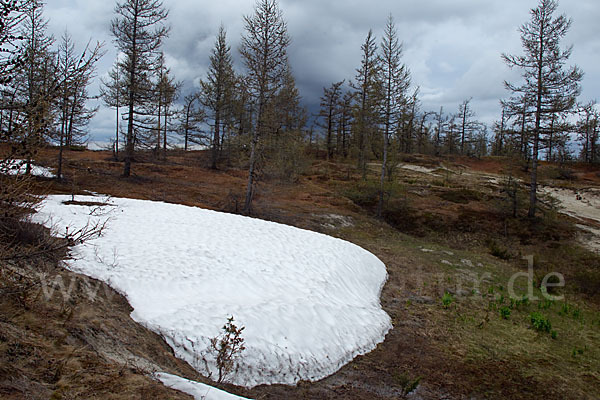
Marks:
<point>255,118</point>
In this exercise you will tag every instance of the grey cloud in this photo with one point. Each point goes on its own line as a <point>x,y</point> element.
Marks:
<point>453,48</point>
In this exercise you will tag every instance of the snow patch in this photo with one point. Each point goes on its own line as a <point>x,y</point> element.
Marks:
<point>309,302</point>
<point>19,167</point>
<point>197,390</point>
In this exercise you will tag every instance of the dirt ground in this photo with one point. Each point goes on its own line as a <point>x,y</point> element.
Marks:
<point>446,236</point>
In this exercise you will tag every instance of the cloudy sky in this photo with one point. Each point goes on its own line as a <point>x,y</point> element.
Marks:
<point>452,47</point>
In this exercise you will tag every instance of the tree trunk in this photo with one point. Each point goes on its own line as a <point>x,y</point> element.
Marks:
<point>216,139</point>
<point>329,133</point>
<point>536,133</point>
<point>383,167</point>
<point>165,132</point>
<point>129,148</point>
<point>250,186</point>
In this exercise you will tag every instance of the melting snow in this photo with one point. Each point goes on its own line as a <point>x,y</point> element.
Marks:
<point>309,302</point>
<point>199,391</point>
<point>18,167</point>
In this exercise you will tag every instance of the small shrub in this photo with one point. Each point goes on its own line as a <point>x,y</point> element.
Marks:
<point>540,323</point>
<point>499,251</point>
<point>505,312</point>
<point>363,194</point>
<point>447,300</point>
<point>407,384</point>
<point>227,348</point>
<point>565,309</point>
<point>577,352</point>
<point>554,334</point>
<point>523,302</point>
<point>546,304</point>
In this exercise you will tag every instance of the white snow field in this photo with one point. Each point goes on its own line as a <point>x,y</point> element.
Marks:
<point>309,302</point>
<point>199,391</point>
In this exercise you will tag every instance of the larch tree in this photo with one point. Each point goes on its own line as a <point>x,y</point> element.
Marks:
<point>75,73</point>
<point>191,118</point>
<point>217,91</point>
<point>264,51</point>
<point>547,85</point>
<point>16,199</point>
<point>344,123</point>
<point>12,15</point>
<point>395,81</point>
<point>113,94</point>
<point>468,127</point>
<point>287,119</point>
<point>587,132</point>
<point>499,145</point>
<point>439,129</point>
<point>37,86</point>
<point>329,112</point>
<point>12,61</point>
<point>367,92</point>
<point>138,30</point>
<point>166,91</point>
<point>518,110</point>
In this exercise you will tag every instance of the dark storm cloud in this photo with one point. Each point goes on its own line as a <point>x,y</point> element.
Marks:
<point>453,48</point>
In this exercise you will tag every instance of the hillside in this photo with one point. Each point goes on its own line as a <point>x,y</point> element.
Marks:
<point>450,244</point>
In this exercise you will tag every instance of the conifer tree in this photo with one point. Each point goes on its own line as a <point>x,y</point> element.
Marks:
<point>217,91</point>
<point>264,51</point>
<point>547,86</point>
<point>139,30</point>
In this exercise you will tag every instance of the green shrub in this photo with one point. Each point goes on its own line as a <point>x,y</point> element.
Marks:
<point>565,309</point>
<point>363,193</point>
<point>540,323</point>
<point>546,304</point>
<point>447,300</point>
<point>498,251</point>
<point>505,312</point>
<point>577,352</point>
<point>407,384</point>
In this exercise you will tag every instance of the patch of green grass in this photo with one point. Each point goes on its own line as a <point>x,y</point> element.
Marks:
<point>407,384</point>
<point>577,352</point>
<point>546,304</point>
<point>505,312</point>
<point>447,300</point>
<point>540,323</point>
